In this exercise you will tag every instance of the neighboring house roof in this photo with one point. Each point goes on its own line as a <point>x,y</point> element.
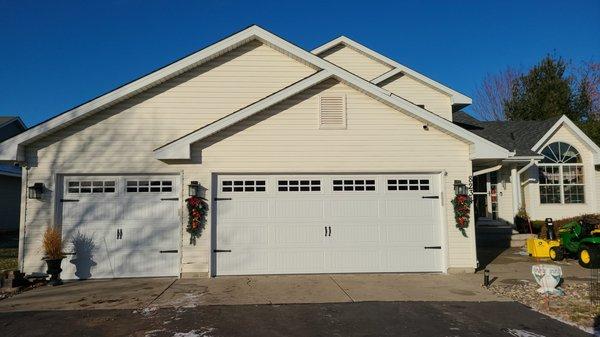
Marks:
<point>6,120</point>
<point>525,138</point>
<point>9,127</point>
<point>13,148</point>
<point>457,97</point>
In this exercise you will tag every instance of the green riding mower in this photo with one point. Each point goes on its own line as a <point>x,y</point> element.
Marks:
<point>578,240</point>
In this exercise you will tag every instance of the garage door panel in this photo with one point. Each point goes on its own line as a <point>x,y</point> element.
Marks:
<point>299,208</point>
<point>121,226</point>
<point>244,235</point>
<point>243,209</point>
<point>348,223</point>
<point>353,208</point>
<point>305,235</point>
<point>353,260</point>
<point>90,210</point>
<point>407,208</point>
<point>290,261</point>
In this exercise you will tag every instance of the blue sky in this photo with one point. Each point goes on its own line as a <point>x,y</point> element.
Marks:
<point>59,54</point>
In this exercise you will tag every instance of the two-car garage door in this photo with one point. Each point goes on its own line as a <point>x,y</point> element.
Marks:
<point>287,224</point>
<point>121,226</point>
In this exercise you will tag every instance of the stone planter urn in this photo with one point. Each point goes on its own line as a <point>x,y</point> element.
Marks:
<point>548,276</point>
<point>54,271</point>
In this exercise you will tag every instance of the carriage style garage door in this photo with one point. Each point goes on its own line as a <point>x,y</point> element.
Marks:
<point>121,226</point>
<point>287,224</point>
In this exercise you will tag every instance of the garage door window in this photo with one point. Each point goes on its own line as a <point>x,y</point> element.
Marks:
<point>299,185</point>
<point>353,185</point>
<point>408,184</point>
<point>243,186</point>
<point>149,186</point>
<point>91,187</point>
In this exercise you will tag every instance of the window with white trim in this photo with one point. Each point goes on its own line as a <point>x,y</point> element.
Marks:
<point>304,185</point>
<point>91,186</point>
<point>354,185</point>
<point>408,184</point>
<point>561,175</point>
<point>332,112</point>
<point>243,186</point>
<point>149,186</point>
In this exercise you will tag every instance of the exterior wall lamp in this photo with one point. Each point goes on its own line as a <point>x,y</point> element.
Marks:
<point>460,188</point>
<point>194,189</point>
<point>35,191</point>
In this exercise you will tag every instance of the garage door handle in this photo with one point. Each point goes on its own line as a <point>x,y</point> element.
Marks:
<point>163,199</point>
<point>431,197</point>
<point>221,250</point>
<point>433,247</point>
<point>169,251</point>
<point>69,200</point>
<point>221,199</point>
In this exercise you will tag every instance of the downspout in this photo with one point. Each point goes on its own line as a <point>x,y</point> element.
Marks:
<point>521,171</point>
<point>516,189</point>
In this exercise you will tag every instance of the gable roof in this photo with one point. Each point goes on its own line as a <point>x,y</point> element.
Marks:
<point>525,138</point>
<point>480,147</point>
<point>12,150</point>
<point>457,98</point>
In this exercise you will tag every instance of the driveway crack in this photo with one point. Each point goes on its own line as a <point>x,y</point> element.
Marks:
<point>161,293</point>
<point>342,289</point>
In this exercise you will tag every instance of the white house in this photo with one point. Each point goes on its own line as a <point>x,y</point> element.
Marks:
<point>330,161</point>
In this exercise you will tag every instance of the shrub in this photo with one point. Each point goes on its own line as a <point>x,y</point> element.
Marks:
<point>593,218</point>
<point>53,244</point>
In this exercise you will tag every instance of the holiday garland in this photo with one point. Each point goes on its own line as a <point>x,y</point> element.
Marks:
<point>197,210</point>
<point>462,212</point>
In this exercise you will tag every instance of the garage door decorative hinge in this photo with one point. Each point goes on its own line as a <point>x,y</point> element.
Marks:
<point>164,199</point>
<point>69,200</point>
<point>433,247</point>
<point>431,197</point>
<point>221,250</point>
<point>220,199</point>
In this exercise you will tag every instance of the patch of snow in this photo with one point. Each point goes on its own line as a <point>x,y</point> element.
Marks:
<point>148,311</point>
<point>151,333</point>
<point>522,253</point>
<point>522,333</point>
<point>203,332</point>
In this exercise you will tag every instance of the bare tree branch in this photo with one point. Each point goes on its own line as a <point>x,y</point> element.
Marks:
<point>494,90</point>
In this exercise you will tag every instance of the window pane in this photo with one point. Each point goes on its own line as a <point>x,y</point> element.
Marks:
<point>550,194</point>
<point>574,194</point>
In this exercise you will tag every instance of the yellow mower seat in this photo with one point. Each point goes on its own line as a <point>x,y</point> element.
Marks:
<point>540,247</point>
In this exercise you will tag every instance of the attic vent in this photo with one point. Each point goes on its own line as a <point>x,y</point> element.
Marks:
<point>332,112</point>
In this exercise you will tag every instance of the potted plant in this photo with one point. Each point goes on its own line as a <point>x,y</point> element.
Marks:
<point>53,254</point>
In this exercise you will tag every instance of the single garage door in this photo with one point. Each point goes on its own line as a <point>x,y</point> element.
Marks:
<point>120,226</point>
<point>290,224</point>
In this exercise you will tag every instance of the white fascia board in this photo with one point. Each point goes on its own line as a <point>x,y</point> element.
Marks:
<point>564,120</point>
<point>457,97</point>
<point>180,149</point>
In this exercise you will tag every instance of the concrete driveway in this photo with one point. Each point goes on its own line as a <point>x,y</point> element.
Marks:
<point>292,289</point>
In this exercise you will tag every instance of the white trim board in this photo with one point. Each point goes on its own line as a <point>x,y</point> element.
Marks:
<point>564,120</point>
<point>457,97</point>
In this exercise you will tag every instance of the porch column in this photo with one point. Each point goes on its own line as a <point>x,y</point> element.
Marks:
<point>515,181</point>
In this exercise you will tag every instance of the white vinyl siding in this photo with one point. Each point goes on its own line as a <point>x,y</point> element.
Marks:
<point>355,62</point>
<point>283,138</point>
<point>420,93</point>
<point>121,139</point>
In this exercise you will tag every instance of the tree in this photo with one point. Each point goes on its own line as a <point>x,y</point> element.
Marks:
<point>493,92</point>
<point>546,91</point>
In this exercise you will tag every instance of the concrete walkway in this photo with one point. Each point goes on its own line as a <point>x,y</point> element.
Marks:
<point>285,289</point>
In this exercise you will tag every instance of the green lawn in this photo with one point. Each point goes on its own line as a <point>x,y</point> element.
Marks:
<point>8,258</point>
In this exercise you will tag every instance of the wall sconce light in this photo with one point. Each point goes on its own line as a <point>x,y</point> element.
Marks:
<point>194,189</point>
<point>460,188</point>
<point>35,191</point>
